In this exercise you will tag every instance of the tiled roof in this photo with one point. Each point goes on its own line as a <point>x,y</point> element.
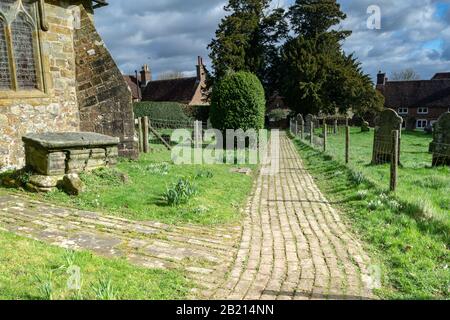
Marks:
<point>174,90</point>
<point>422,93</point>
<point>441,76</point>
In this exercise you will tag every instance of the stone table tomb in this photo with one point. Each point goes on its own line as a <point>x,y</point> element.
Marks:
<point>57,154</point>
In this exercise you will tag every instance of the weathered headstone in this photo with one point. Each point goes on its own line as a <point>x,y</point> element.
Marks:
<point>309,120</point>
<point>300,125</point>
<point>387,122</point>
<point>441,141</point>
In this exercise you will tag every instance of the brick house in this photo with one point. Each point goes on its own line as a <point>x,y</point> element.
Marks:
<point>189,90</point>
<point>57,75</point>
<point>419,102</point>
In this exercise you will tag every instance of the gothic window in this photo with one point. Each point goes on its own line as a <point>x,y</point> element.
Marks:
<point>18,45</point>
<point>23,48</point>
<point>5,73</point>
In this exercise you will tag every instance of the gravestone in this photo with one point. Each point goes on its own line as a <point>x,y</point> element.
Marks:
<point>299,119</point>
<point>441,141</point>
<point>309,120</point>
<point>300,125</point>
<point>387,122</point>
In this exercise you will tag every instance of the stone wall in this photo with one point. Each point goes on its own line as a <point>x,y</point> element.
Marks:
<point>104,99</point>
<point>56,109</point>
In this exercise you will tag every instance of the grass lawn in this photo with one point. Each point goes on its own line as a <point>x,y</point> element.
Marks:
<point>32,270</point>
<point>220,194</point>
<point>419,184</point>
<point>412,249</point>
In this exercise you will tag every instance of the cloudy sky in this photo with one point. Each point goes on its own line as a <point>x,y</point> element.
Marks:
<point>170,34</point>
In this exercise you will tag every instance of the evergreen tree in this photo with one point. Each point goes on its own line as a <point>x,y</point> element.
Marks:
<point>247,39</point>
<point>318,77</point>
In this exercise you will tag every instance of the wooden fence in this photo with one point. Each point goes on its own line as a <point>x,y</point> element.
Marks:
<point>386,149</point>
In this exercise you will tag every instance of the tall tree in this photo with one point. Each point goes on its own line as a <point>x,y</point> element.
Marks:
<point>247,39</point>
<point>318,77</point>
<point>312,17</point>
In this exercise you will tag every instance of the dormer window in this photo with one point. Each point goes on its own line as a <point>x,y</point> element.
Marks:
<point>422,110</point>
<point>402,111</point>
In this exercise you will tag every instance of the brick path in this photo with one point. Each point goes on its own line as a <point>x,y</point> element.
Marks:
<point>293,243</point>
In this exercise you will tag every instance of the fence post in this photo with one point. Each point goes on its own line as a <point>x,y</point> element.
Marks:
<point>347,142</point>
<point>394,160</point>
<point>145,124</point>
<point>140,135</point>
<point>296,128</point>
<point>325,135</point>
<point>335,129</point>
<point>311,133</point>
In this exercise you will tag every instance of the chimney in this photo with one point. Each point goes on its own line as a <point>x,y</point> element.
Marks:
<point>381,79</point>
<point>146,75</point>
<point>201,74</point>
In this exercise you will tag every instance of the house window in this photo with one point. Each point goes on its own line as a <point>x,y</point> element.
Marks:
<point>402,110</point>
<point>422,110</point>
<point>19,62</point>
<point>421,124</point>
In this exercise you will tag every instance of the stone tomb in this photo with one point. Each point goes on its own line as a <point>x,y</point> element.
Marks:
<point>51,156</point>
<point>387,122</point>
<point>441,141</point>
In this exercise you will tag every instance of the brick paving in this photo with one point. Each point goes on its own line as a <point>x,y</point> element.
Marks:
<point>292,243</point>
<point>203,253</point>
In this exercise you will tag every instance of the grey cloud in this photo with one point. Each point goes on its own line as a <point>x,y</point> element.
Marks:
<point>173,32</point>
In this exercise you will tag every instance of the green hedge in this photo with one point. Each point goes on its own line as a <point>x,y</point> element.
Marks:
<point>238,102</point>
<point>200,112</point>
<point>160,110</point>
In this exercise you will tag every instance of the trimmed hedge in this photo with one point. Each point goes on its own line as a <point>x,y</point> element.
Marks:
<point>238,102</point>
<point>200,112</point>
<point>160,110</point>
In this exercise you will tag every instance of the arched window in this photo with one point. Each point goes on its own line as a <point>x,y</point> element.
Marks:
<point>5,72</point>
<point>18,45</point>
<point>23,51</point>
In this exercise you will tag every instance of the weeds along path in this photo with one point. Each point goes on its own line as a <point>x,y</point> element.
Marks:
<point>294,244</point>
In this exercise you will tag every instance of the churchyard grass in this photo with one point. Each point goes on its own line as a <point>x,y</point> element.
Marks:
<point>411,249</point>
<point>220,194</point>
<point>33,270</point>
<point>424,187</point>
